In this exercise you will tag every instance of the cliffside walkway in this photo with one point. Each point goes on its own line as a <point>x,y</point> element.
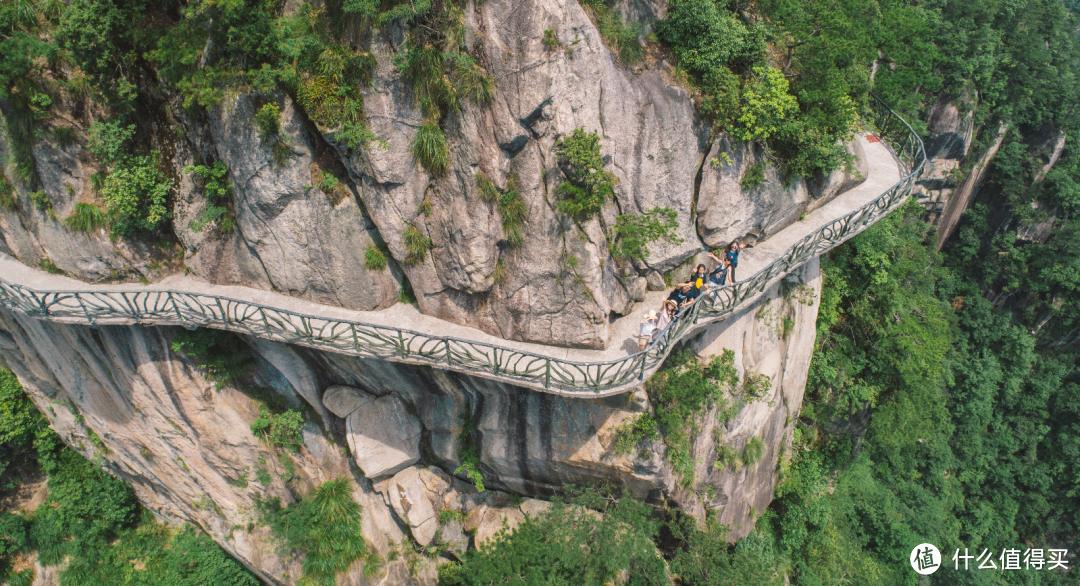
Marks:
<point>402,334</point>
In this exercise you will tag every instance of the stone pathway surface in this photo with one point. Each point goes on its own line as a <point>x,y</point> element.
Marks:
<point>884,171</point>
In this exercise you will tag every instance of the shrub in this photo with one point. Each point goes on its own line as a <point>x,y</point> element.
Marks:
<point>598,538</point>
<point>107,141</point>
<point>8,199</point>
<point>43,202</point>
<point>756,385</point>
<point>268,120</point>
<point>48,266</point>
<point>325,526</point>
<point>753,176</point>
<point>135,195</point>
<point>632,432</point>
<point>550,40</point>
<point>588,186</point>
<point>634,233</point>
<point>86,217</point>
<point>727,458</point>
<point>622,36</point>
<point>765,104</point>
<point>280,152</point>
<point>426,207</point>
<point>430,149</point>
<point>489,192</point>
<point>64,136</point>
<point>416,245</point>
<point>514,212</point>
<point>681,391</point>
<point>501,274</point>
<point>406,295</point>
<point>218,192</point>
<point>374,258</point>
<point>468,454</point>
<point>223,356</point>
<point>753,451</point>
<point>705,37</point>
<point>279,429</point>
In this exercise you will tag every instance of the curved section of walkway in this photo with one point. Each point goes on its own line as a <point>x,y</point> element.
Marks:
<point>402,334</point>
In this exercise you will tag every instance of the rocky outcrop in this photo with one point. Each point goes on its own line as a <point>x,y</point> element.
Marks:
<point>559,287</point>
<point>186,448</point>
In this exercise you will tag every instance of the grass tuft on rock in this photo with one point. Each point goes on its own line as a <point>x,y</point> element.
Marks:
<point>430,148</point>
<point>86,217</point>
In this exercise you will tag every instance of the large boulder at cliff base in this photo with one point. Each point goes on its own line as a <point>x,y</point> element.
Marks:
<point>383,436</point>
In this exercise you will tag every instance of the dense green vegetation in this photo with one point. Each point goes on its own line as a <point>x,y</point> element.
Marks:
<point>325,526</point>
<point>91,518</point>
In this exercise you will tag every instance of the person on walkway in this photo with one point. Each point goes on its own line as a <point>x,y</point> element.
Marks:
<point>681,295</point>
<point>718,276</point>
<point>667,315</point>
<point>698,283</point>
<point>732,256</point>
<point>648,327</point>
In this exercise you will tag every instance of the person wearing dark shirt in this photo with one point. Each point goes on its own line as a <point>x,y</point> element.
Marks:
<point>698,283</point>
<point>732,257</point>
<point>681,295</point>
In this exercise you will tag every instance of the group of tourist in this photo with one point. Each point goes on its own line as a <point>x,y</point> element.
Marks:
<point>686,293</point>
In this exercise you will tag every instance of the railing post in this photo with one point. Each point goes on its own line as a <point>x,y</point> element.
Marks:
<point>449,361</point>
<point>547,374</point>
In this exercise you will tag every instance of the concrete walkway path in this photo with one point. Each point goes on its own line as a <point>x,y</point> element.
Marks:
<point>884,171</point>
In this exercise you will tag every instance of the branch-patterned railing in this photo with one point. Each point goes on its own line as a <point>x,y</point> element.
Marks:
<point>544,373</point>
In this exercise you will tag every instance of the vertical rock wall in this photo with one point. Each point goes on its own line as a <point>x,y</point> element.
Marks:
<point>120,396</point>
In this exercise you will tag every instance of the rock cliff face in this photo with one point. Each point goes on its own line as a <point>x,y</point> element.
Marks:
<point>123,398</point>
<point>293,237</point>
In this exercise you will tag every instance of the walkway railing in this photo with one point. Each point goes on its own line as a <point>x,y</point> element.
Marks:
<point>544,373</point>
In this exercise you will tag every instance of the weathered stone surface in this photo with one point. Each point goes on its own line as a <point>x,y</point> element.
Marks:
<point>342,400</point>
<point>174,438</point>
<point>756,336</point>
<point>290,235</point>
<point>384,437</point>
<point>417,496</point>
<point>727,212</point>
<point>825,187</point>
<point>491,520</point>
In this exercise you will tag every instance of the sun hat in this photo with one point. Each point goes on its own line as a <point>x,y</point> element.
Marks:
<point>651,314</point>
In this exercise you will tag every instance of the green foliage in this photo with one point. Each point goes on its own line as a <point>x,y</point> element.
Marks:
<point>279,429</point>
<point>218,192</point>
<point>135,196</point>
<point>514,212</point>
<point>727,458</point>
<point>42,202</point>
<point>430,149</point>
<point>706,37</point>
<point>325,526</point>
<point>108,141</point>
<point>753,451</point>
<point>705,557</point>
<point>468,453</point>
<point>588,185</point>
<point>375,258</point>
<point>682,392</point>
<point>406,294</point>
<point>632,432</point>
<point>9,201</point>
<point>622,36</point>
<point>223,356</point>
<point>268,120</point>
<point>589,541</point>
<point>416,245</point>
<point>92,518</point>
<point>501,274</point>
<point>48,266</point>
<point>85,217</point>
<point>755,385</point>
<point>550,40</point>
<point>64,136</point>
<point>765,104</point>
<point>753,176</point>
<point>634,233</point>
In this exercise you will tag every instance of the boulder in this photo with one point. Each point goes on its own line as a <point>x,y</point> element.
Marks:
<point>384,437</point>
<point>488,521</point>
<point>416,494</point>
<point>342,400</point>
